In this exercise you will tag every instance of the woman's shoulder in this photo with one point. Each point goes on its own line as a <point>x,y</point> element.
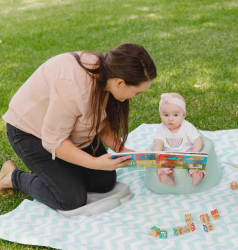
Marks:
<point>66,67</point>
<point>86,57</point>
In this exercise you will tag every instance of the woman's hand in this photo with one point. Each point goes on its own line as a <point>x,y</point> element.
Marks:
<point>105,162</point>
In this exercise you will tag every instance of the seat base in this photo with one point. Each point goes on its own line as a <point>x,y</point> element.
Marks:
<point>183,181</point>
<point>102,202</point>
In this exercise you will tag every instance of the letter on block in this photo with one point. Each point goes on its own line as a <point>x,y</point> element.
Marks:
<point>175,231</point>
<point>204,218</point>
<point>188,218</point>
<point>215,214</point>
<point>234,185</point>
<point>154,231</point>
<point>163,234</point>
<point>190,227</point>
<point>178,231</point>
<point>208,227</point>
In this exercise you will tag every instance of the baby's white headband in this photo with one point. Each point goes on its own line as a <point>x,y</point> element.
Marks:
<point>167,98</point>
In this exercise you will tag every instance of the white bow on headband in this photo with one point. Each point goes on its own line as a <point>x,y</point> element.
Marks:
<point>167,98</point>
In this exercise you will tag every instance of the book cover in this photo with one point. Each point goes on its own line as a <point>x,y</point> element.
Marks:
<point>161,159</point>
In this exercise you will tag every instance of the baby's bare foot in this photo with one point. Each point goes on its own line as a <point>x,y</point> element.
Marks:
<point>166,178</point>
<point>197,177</point>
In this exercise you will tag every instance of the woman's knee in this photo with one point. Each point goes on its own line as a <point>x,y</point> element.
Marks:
<point>73,202</point>
<point>105,182</point>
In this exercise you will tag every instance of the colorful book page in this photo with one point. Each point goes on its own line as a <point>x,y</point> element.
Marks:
<point>140,160</point>
<point>193,162</point>
<point>168,160</point>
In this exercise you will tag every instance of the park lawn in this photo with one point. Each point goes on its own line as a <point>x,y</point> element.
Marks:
<point>191,42</point>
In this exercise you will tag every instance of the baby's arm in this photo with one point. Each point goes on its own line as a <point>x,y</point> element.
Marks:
<point>158,145</point>
<point>197,145</point>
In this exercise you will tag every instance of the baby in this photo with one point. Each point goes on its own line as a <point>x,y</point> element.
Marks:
<point>172,112</point>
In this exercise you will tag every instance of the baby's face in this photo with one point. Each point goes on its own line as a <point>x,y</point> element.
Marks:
<point>172,115</point>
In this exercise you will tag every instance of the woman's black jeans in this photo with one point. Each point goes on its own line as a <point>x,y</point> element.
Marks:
<point>57,183</point>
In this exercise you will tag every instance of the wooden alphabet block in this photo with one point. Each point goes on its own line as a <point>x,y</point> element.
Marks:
<point>188,218</point>
<point>204,218</point>
<point>178,231</point>
<point>163,234</point>
<point>187,228</point>
<point>208,227</point>
<point>234,185</point>
<point>154,231</point>
<point>215,214</point>
<point>190,227</point>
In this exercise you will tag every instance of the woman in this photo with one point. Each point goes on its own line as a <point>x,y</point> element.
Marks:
<point>58,119</point>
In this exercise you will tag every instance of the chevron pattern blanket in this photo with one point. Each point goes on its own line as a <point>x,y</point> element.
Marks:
<point>127,226</point>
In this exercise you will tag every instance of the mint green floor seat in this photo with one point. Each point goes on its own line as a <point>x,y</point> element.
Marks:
<point>183,182</point>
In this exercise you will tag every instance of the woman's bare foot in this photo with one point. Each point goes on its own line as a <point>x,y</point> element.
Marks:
<point>196,177</point>
<point>166,178</point>
<point>6,185</point>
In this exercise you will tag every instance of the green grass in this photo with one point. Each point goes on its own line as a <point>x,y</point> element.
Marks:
<point>191,42</point>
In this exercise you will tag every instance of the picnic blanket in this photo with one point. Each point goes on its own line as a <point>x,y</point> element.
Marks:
<point>127,226</point>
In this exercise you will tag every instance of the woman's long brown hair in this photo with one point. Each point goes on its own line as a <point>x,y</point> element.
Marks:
<point>129,62</point>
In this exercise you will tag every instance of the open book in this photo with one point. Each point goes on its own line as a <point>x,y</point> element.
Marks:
<point>160,159</point>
